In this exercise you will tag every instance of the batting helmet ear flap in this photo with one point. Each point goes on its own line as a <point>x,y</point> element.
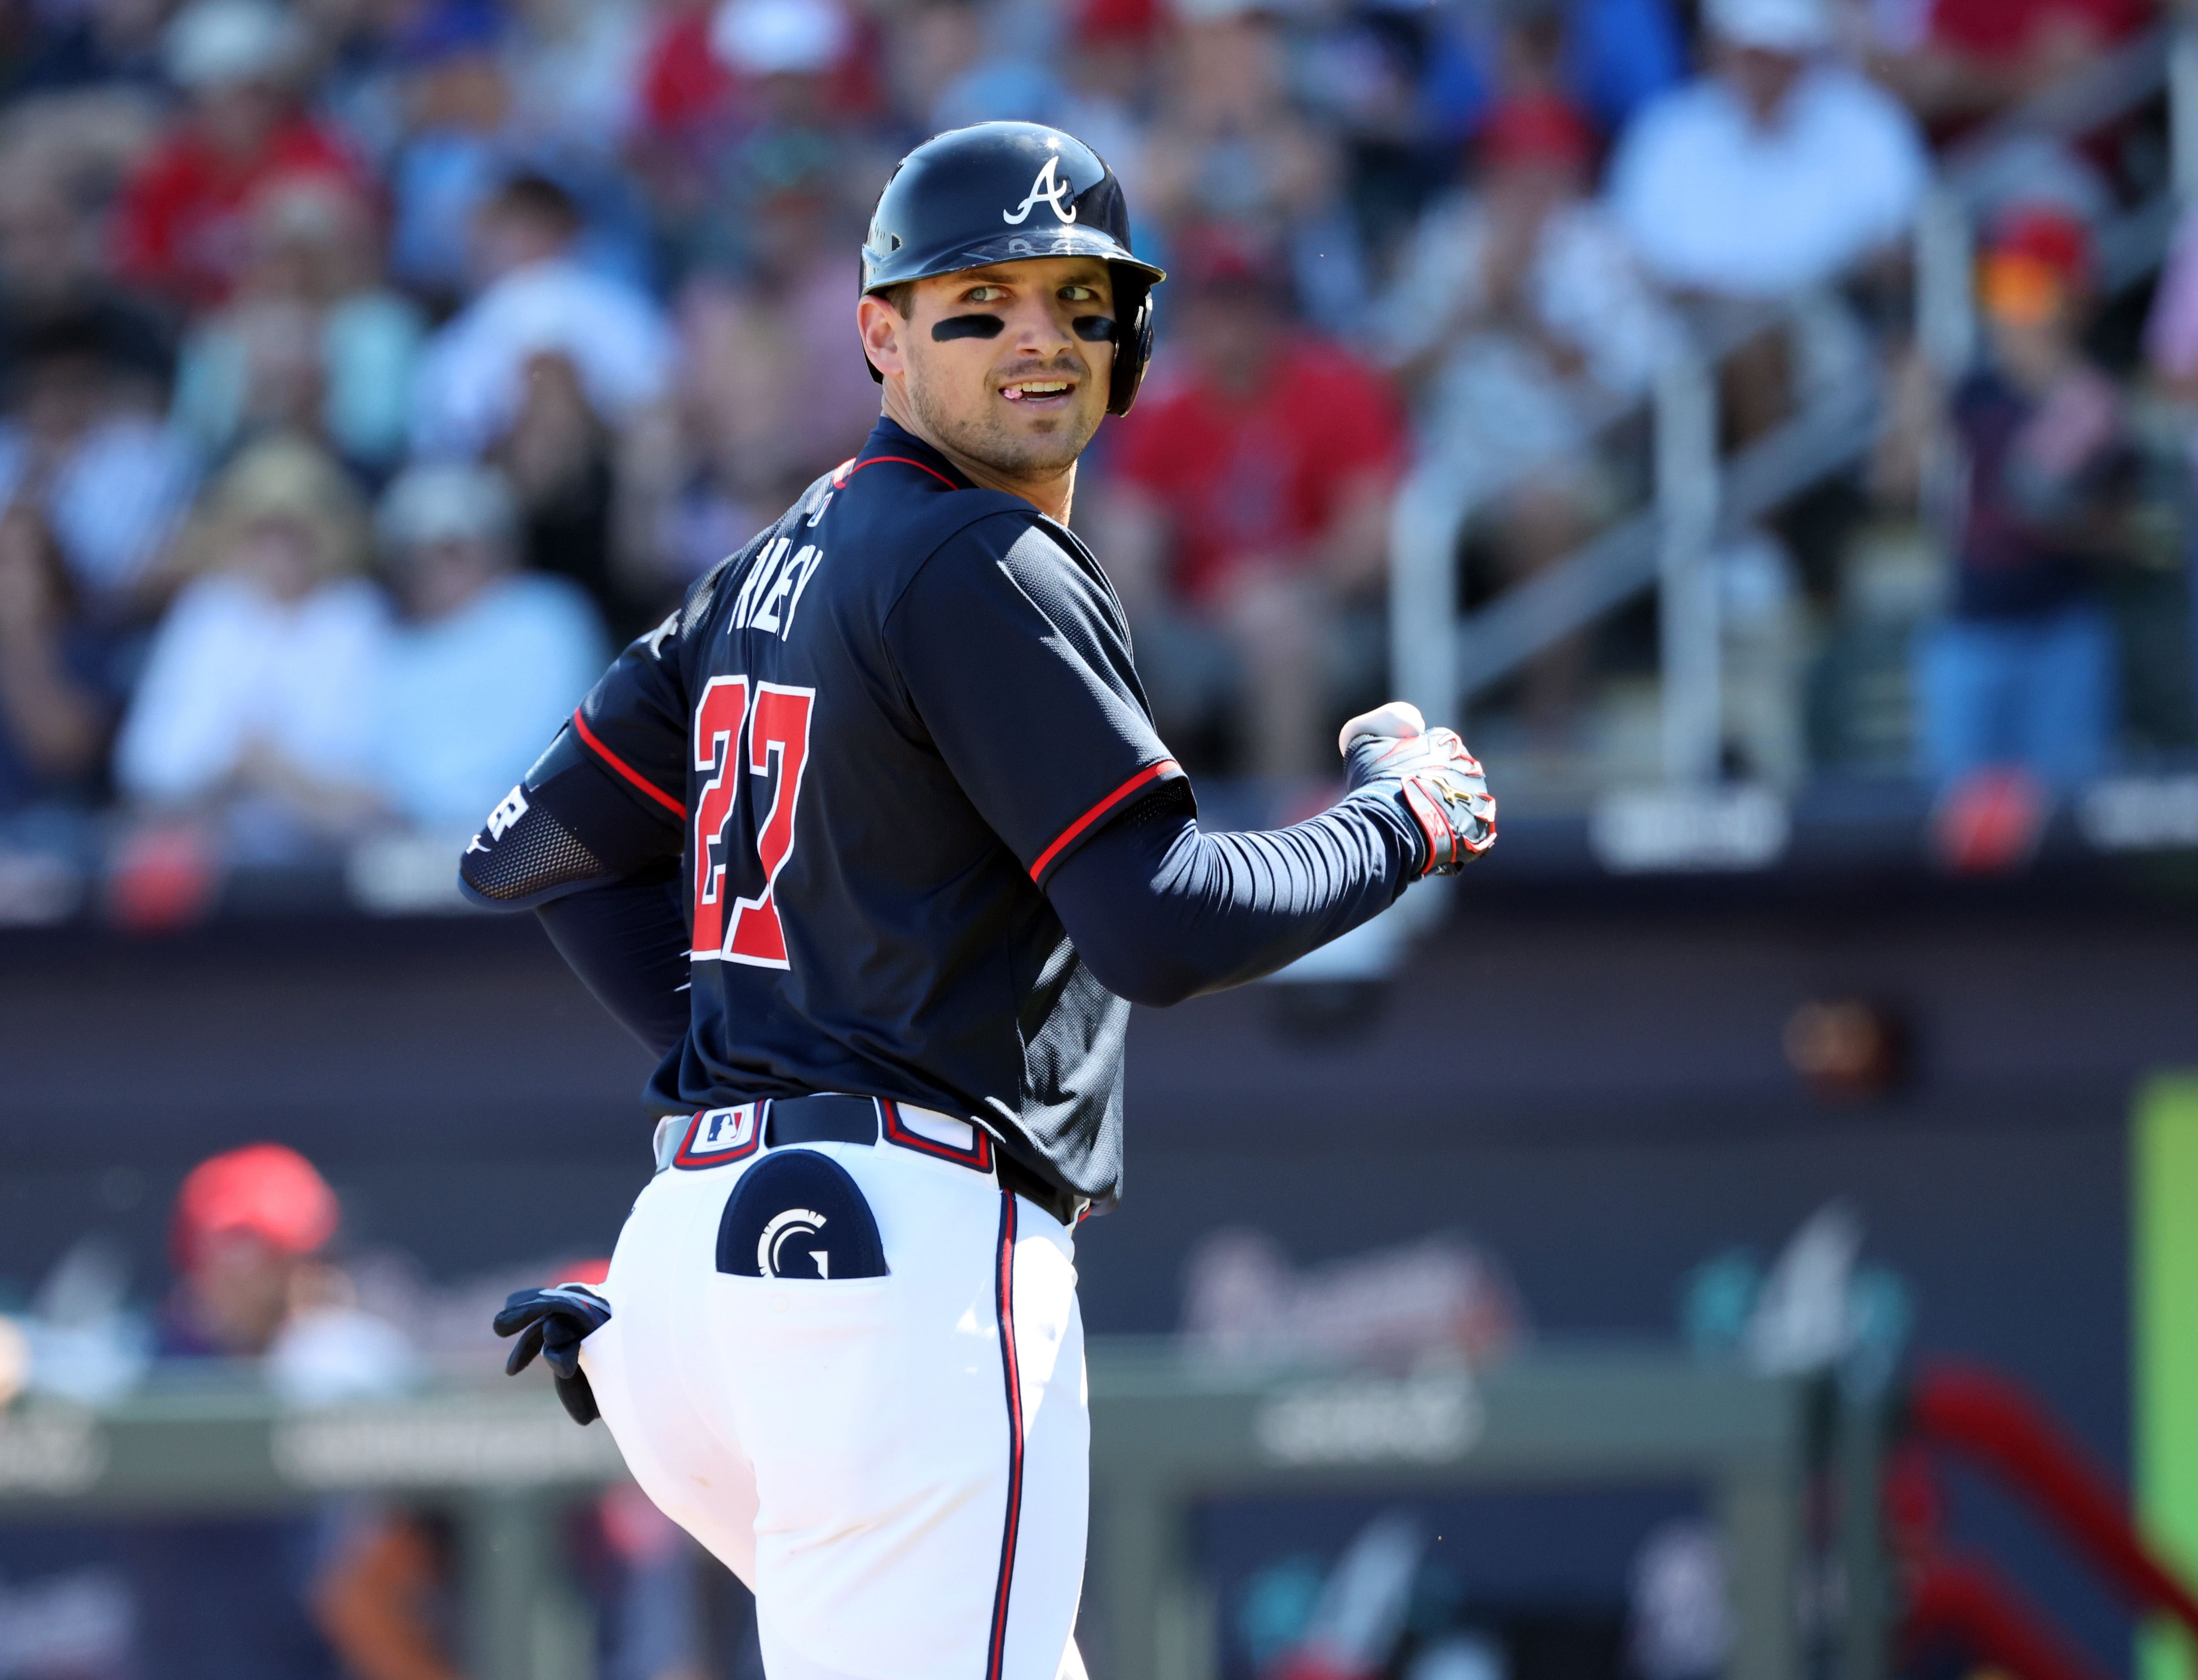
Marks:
<point>876,378</point>
<point>1133,341</point>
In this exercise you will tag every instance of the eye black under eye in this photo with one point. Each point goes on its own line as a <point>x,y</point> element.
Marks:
<point>968,327</point>
<point>1094,328</point>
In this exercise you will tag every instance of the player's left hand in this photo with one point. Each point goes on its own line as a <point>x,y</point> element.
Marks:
<point>1439,785</point>
<point>554,1322</point>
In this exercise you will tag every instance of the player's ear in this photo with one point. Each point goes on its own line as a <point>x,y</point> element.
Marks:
<point>884,334</point>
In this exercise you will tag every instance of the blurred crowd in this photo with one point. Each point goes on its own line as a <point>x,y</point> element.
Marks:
<point>268,1293</point>
<point>369,369</point>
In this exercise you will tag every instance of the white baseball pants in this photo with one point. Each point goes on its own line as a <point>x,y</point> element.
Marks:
<point>898,1467</point>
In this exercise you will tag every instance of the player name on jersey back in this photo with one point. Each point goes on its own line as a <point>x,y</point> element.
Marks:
<point>882,725</point>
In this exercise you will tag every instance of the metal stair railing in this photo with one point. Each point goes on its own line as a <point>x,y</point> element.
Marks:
<point>1441,663</point>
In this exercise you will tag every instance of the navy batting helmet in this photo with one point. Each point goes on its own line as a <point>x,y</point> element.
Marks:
<point>1002,192</point>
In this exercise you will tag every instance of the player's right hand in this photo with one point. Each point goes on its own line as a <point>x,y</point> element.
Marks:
<point>554,1322</point>
<point>1430,776</point>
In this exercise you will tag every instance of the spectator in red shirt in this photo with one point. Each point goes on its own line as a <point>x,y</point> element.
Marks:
<point>1249,510</point>
<point>182,227</point>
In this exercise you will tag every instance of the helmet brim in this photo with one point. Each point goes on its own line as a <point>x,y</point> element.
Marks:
<point>1012,246</point>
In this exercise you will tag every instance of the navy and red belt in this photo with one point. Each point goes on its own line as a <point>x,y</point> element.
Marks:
<point>833,1118</point>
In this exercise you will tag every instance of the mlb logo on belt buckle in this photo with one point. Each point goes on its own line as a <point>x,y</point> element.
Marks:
<point>717,1135</point>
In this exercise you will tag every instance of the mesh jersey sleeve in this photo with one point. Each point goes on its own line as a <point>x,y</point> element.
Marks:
<point>1014,650</point>
<point>634,721</point>
<point>570,823</point>
<point>605,800</point>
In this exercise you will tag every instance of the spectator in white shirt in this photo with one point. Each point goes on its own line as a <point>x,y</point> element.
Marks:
<point>259,690</point>
<point>535,301</point>
<point>1522,319</point>
<point>1774,172</point>
<point>1520,307</point>
<point>1769,179</point>
<point>489,660</point>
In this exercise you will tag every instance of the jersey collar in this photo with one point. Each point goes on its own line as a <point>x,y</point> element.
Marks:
<point>890,441</point>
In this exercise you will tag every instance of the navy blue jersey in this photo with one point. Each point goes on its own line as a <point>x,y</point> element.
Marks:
<point>873,735</point>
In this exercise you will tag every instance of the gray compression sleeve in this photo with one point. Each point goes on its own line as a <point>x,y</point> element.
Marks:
<point>1161,910</point>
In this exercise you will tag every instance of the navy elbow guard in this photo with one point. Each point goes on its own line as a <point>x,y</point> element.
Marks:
<point>569,825</point>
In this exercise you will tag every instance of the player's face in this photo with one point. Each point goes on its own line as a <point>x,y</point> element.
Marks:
<point>1022,396</point>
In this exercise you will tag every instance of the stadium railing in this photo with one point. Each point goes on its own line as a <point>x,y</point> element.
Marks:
<point>1443,658</point>
<point>1167,1433</point>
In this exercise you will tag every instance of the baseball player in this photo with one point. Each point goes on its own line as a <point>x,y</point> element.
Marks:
<point>874,840</point>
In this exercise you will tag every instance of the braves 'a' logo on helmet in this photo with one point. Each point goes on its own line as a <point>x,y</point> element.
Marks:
<point>1048,189</point>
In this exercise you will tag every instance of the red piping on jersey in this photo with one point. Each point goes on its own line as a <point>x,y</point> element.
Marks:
<point>849,468</point>
<point>626,770</point>
<point>1011,1373</point>
<point>1150,772</point>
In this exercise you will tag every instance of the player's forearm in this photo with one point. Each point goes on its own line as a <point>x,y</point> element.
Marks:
<point>602,871</point>
<point>628,942</point>
<point>1162,911</point>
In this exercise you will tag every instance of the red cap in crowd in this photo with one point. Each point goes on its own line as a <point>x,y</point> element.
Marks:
<point>2047,235</point>
<point>2038,257</point>
<point>263,1190</point>
<point>1218,256</point>
<point>1536,128</point>
<point>1099,22</point>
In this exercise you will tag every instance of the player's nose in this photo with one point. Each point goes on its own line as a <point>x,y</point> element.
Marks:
<point>1040,326</point>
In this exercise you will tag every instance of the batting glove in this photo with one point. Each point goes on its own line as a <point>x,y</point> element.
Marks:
<point>1438,784</point>
<point>554,1322</point>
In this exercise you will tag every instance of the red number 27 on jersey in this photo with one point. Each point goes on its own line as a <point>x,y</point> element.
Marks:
<point>775,727</point>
